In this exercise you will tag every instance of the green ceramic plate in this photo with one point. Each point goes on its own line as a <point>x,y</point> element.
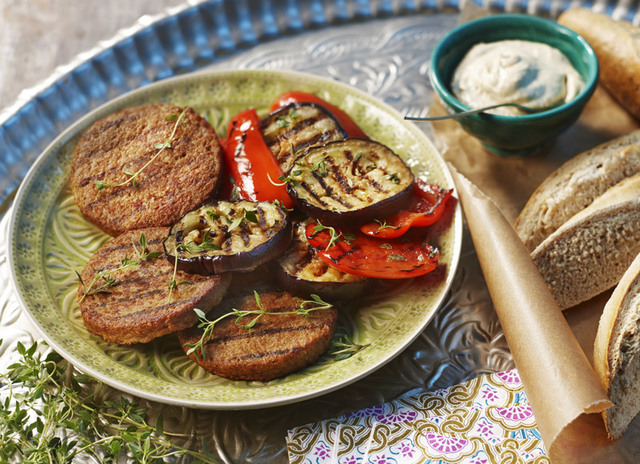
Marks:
<point>50,241</point>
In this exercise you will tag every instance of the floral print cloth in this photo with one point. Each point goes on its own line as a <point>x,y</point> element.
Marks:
<point>482,421</point>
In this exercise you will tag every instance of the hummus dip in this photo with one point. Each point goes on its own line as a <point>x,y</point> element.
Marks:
<point>515,71</point>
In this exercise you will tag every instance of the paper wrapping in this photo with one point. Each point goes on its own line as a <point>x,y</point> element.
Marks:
<point>552,350</point>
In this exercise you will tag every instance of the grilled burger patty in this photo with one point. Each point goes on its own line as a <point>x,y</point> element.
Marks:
<point>136,308</point>
<point>183,176</point>
<point>294,128</point>
<point>274,347</point>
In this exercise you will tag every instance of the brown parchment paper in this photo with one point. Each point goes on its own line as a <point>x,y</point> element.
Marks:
<point>552,350</point>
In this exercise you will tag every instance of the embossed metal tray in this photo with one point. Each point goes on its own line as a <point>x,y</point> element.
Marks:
<point>381,48</point>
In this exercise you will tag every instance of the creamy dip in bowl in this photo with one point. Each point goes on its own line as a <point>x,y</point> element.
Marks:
<point>528,82</point>
<point>515,71</point>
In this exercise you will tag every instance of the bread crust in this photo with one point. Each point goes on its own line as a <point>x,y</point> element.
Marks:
<point>182,177</point>
<point>575,185</point>
<point>616,352</point>
<point>589,253</point>
<point>616,44</point>
<point>138,308</point>
<point>274,347</point>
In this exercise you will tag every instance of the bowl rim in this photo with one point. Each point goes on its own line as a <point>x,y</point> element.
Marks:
<point>586,50</point>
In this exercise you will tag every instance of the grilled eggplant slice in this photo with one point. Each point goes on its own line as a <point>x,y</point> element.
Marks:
<point>302,272</point>
<point>294,128</point>
<point>350,182</point>
<point>228,236</point>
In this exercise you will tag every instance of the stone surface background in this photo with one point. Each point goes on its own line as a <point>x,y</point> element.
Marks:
<point>36,36</point>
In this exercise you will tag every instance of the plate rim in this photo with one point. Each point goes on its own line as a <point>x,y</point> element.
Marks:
<point>75,128</point>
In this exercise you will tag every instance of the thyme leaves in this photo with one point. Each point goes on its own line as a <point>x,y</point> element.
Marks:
<point>305,307</point>
<point>132,177</point>
<point>57,414</point>
<point>105,278</point>
<point>344,348</point>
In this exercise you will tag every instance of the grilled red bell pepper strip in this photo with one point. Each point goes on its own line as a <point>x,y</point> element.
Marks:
<point>359,254</point>
<point>428,204</point>
<point>348,124</point>
<point>251,163</point>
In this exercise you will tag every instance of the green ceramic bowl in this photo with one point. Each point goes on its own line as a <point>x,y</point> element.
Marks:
<point>513,135</point>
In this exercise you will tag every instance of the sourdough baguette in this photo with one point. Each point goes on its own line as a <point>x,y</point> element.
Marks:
<point>616,353</point>
<point>575,184</point>
<point>617,46</point>
<point>589,253</point>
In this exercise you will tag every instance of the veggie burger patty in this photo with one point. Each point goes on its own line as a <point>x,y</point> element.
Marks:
<point>124,292</point>
<point>144,166</point>
<point>275,346</point>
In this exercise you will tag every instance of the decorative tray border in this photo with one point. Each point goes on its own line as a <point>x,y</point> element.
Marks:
<point>188,37</point>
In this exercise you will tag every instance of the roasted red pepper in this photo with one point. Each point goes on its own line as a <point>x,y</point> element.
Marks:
<point>429,202</point>
<point>348,124</point>
<point>359,254</point>
<point>250,162</point>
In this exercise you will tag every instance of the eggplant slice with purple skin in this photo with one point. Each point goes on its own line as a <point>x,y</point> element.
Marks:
<point>294,128</point>
<point>302,272</point>
<point>228,236</point>
<point>350,182</point>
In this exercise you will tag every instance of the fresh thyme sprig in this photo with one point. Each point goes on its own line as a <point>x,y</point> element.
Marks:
<point>173,283</point>
<point>284,180</point>
<point>281,205</point>
<point>105,276</point>
<point>207,244</point>
<point>285,121</point>
<point>344,348</point>
<point>383,225</point>
<point>207,326</point>
<point>248,215</point>
<point>132,177</point>
<point>52,414</point>
<point>334,235</point>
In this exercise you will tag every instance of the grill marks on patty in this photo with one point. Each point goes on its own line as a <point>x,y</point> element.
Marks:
<point>182,177</point>
<point>275,346</point>
<point>137,308</point>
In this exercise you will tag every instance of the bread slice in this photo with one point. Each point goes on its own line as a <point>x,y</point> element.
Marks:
<point>136,307</point>
<point>575,184</point>
<point>274,347</point>
<point>590,252</point>
<point>616,353</point>
<point>617,46</point>
<point>183,175</point>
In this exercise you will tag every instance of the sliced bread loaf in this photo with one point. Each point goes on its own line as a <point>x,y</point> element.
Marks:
<point>590,252</point>
<point>616,354</point>
<point>575,184</point>
<point>617,46</point>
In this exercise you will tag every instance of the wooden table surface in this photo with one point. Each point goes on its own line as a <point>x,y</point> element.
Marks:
<point>37,36</point>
